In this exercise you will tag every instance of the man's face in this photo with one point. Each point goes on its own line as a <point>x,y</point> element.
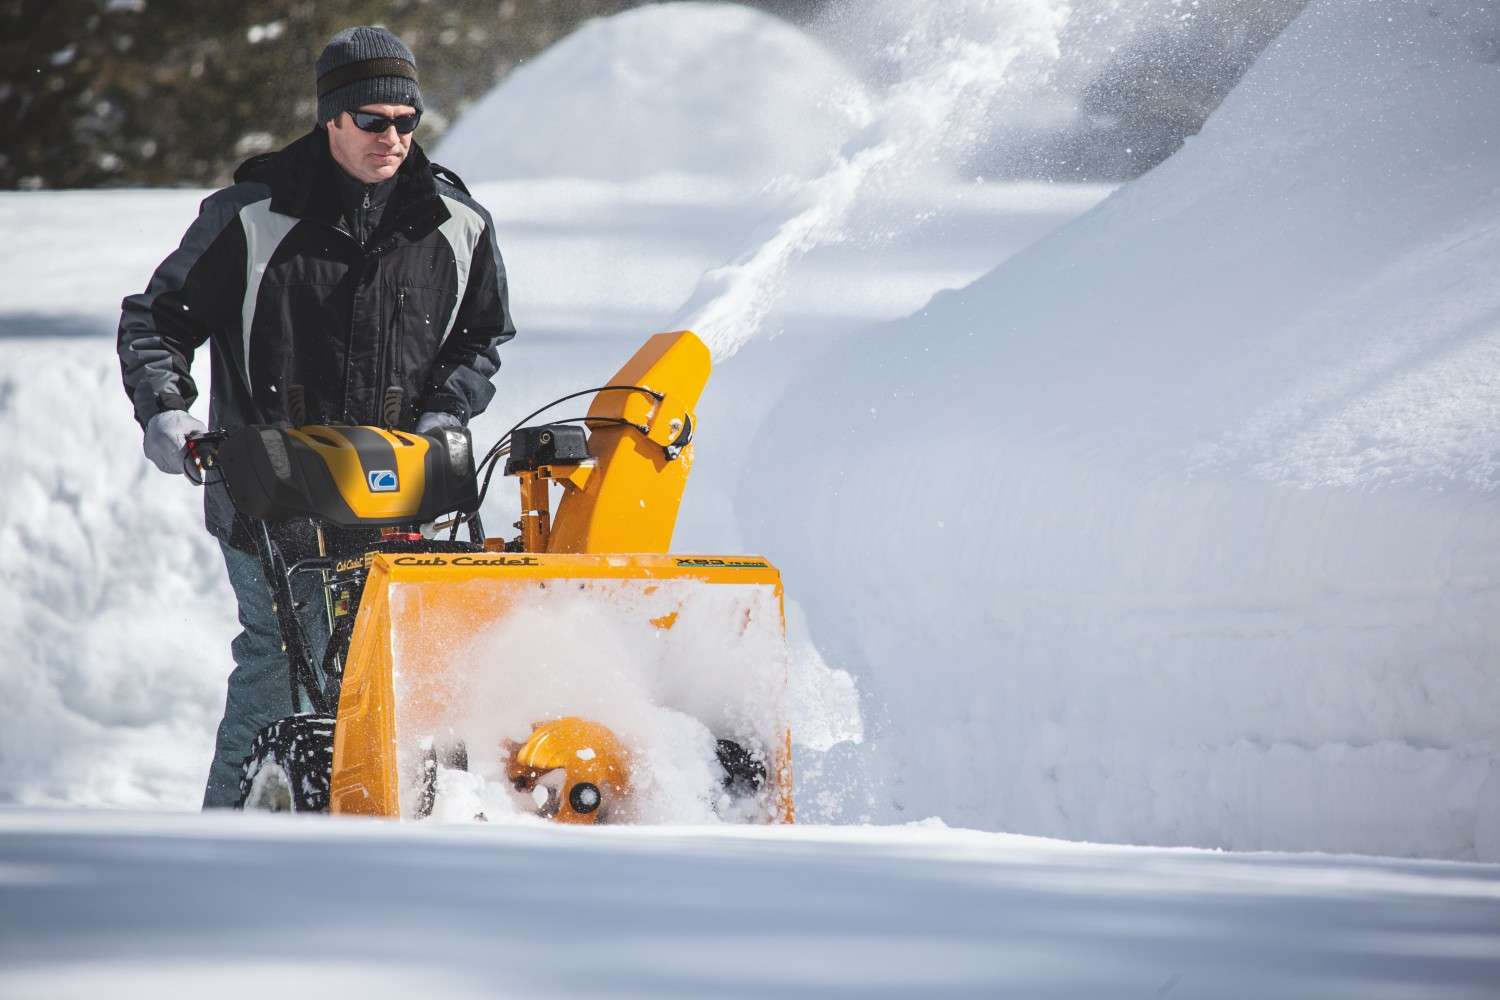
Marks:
<point>369,157</point>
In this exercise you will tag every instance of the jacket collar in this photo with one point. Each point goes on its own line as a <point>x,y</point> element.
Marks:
<point>303,185</point>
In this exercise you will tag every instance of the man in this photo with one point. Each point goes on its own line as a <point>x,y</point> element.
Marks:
<point>344,279</point>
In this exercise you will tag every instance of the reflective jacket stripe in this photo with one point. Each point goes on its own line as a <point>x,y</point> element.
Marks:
<point>462,231</point>
<point>264,231</point>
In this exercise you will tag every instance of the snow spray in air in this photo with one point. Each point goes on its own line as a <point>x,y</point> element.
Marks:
<point>952,60</point>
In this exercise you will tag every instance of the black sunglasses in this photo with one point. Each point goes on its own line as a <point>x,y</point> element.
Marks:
<point>367,122</point>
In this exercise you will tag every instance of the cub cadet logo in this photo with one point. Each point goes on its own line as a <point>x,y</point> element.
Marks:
<point>722,564</point>
<point>349,565</point>
<point>382,480</point>
<point>434,560</point>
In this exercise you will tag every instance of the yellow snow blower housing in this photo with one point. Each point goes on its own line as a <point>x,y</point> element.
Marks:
<point>473,648</point>
<point>445,653</point>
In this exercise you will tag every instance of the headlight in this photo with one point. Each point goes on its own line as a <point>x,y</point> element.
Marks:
<point>275,444</point>
<point>458,452</point>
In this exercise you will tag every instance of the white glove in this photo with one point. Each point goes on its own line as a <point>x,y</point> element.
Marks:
<point>166,436</point>
<point>434,420</point>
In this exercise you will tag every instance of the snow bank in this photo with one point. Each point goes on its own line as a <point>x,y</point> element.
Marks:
<point>698,88</point>
<point>1180,527</point>
<point>113,604</point>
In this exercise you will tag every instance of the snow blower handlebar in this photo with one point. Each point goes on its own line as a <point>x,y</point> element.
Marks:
<point>198,455</point>
<point>622,483</point>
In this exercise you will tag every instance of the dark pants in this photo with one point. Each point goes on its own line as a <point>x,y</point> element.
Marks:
<point>259,687</point>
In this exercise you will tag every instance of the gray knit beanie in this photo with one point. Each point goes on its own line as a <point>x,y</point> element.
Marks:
<point>365,66</point>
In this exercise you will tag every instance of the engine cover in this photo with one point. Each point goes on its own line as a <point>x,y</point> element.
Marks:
<point>349,477</point>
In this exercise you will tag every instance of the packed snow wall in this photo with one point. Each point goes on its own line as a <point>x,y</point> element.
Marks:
<point>697,88</point>
<point>1182,526</point>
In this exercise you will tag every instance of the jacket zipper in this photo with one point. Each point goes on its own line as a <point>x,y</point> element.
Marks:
<point>385,348</point>
<point>382,336</point>
<point>391,394</point>
<point>385,337</point>
<point>395,372</point>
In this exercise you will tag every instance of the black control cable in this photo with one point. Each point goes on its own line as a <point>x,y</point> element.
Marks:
<point>490,462</point>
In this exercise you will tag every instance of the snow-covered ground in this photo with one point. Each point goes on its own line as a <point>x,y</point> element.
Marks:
<point>1172,523</point>
<point>160,907</point>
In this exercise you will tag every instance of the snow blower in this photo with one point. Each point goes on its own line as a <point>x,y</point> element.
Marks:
<point>494,660</point>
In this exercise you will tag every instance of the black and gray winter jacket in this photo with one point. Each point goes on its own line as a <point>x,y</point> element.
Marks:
<point>306,323</point>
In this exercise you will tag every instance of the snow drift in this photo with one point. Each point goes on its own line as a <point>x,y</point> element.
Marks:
<point>1180,527</point>
<point>697,88</point>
